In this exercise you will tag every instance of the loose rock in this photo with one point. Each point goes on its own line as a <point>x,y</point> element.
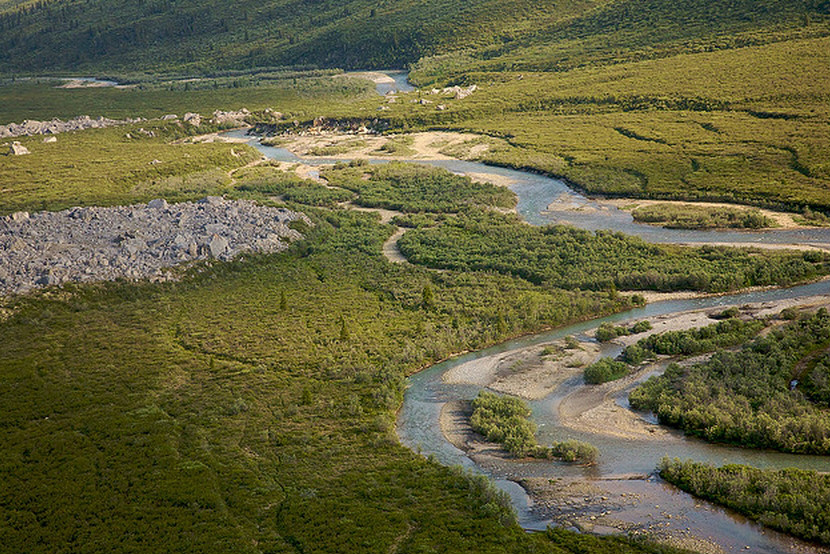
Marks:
<point>33,127</point>
<point>17,149</point>
<point>140,241</point>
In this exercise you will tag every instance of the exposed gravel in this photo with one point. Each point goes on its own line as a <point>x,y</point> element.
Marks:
<point>134,242</point>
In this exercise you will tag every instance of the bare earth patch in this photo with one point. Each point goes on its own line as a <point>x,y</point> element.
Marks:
<point>423,146</point>
<point>391,250</point>
<point>592,409</point>
<point>530,373</point>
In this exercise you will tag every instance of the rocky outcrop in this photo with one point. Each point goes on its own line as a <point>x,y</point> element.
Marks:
<point>32,127</point>
<point>230,118</point>
<point>134,242</point>
<point>193,119</point>
<point>459,93</point>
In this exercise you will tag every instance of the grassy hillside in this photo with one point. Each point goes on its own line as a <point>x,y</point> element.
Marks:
<point>622,31</point>
<point>695,100</point>
<point>44,100</point>
<point>744,124</point>
<point>207,34</point>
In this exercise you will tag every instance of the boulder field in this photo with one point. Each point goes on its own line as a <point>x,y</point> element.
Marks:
<point>134,242</point>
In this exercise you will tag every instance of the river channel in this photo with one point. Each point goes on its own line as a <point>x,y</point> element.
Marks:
<point>656,505</point>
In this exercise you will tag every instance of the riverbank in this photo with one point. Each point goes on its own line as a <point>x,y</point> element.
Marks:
<point>782,220</point>
<point>429,145</point>
<point>536,371</point>
<point>654,296</point>
<point>530,373</point>
<point>575,503</point>
<point>594,499</point>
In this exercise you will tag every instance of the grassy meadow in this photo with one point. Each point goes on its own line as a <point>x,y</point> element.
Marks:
<point>152,98</point>
<point>250,408</point>
<point>106,167</point>
<point>744,125</point>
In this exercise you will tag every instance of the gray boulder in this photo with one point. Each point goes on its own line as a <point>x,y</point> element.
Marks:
<point>157,204</point>
<point>193,119</point>
<point>218,245</point>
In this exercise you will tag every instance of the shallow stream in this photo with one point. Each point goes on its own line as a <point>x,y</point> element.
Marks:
<point>658,505</point>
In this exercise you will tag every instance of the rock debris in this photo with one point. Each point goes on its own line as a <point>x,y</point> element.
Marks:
<point>134,242</point>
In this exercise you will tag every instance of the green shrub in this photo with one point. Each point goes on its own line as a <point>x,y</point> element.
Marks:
<point>505,420</point>
<point>575,451</point>
<point>790,500</point>
<point>635,354</point>
<point>745,397</point>
<point>605,370</point>
<point>640,327</point>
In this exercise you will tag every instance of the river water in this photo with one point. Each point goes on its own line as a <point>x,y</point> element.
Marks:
<point>401,83</point>
<point>537,192</point>
<point>418,420</point>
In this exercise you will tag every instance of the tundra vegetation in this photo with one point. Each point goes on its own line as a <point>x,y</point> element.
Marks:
<point>791,500</point>
<point>608,331</point>
<point>622,99</point>
<point>42,99</point>
<point>259,396</point>
<point>118,165</point>
<point>249,407</point>
<point>772,393</point>
<point>266,182</point>
<point>506,420</point>
<point>605,370</point>
<point>231,409</point>
<point>689,216</point>
<point>571,258</point>
<point>688,342</point>
<point>412,188</point>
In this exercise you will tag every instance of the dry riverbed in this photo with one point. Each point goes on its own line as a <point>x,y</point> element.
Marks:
<point>574,503</point>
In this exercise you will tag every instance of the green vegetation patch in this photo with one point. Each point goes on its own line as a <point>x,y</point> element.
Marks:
<point>398,146</point>
<point>231,409</point>
<point>119,165</point>
<point>794,501</point>
<point>266,181</point>
<point>815,378</point>
<point>689,216</point>
<point>656,119</point>
<point>608,331</point>
<point>416,188</point>
<point>689,342</point>
<point>749,397</point>
<point>506,420</point>
<point>335,149</point>
<point>571,258</point>
<point>605,370</point>
<point>297,97</point>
